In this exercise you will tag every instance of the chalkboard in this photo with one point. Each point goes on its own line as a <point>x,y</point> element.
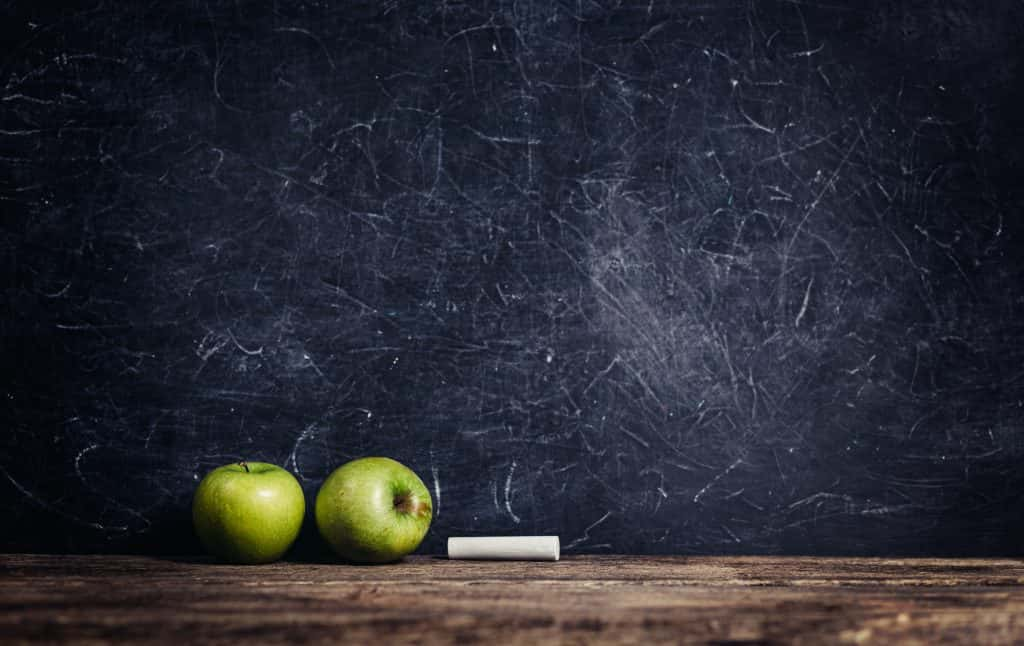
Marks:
<point>657,277</point>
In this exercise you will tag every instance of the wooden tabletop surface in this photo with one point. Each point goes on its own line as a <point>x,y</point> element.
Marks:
<point>584,600</point>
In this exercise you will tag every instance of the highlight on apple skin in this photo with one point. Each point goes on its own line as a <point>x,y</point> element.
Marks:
<point>248,512</point>
<point>373,510</point>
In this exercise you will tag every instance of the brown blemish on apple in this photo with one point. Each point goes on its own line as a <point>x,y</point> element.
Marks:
<point>407,503</point>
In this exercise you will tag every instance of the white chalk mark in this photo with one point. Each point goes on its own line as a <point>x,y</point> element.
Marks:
<point>308,432</point>
<point>808,53</point>
<point>312,364</point>
<point>586,532</point>
<point>437,492</point>
<point>525,141</point>
<point>636,438</point>
<point>242,347</point>
<point>439,167</point>
<point>21,133</point>
<point>918,423</point>
<point>219,64</point>
<point>756,124</point>
<point>468,30</point>
<point>643,382</point>
<point>884,510</point>
<point>60,512</point>
<point>205,351</point>
<point>721,475</point>
<point>60,293</point>
<point>821,495</point>
<point>25,97</point>
<point>508,493</point>
<point>608,369</point>
<point>817,198</point>
<point>803,308</point>
<point>78,460</point>
<point>349,297</point>
<point>297,30</point>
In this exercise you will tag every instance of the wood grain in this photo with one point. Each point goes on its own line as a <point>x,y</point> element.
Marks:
<point>580,600</point>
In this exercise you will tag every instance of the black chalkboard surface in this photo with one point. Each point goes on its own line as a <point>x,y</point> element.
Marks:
<point>658,277</point>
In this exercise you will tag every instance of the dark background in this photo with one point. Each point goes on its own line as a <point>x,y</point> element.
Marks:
<point>655,277</point>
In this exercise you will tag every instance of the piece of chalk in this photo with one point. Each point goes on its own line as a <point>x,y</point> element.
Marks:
<point>504,548</point>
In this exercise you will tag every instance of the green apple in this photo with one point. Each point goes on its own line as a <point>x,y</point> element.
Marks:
<point>373,510</point>
<point>249,512</point>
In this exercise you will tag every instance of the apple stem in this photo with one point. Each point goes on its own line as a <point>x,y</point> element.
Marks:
<point>244,465</point>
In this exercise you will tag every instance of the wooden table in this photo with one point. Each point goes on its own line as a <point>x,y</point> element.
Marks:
<point>579,600</point>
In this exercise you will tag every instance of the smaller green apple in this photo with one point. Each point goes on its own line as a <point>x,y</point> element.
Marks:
<point>373,510</point>
<point>249,512</point>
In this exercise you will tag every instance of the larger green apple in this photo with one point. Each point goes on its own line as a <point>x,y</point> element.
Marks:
<point>250,512</point>
<point>373,510</point>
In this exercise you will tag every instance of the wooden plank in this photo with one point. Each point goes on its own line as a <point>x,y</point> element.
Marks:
<point>105,599</point>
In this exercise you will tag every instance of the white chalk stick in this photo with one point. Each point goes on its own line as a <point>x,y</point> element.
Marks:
<point>504,548</point>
